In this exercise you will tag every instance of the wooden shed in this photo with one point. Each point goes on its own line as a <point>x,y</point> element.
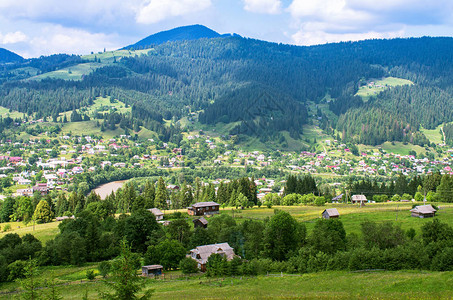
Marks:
<point>360,199</point>
<point>201,222</point>
<point>157,213</point>
<point>330,213</point>
<point>152,270</point>
<point>423,211</point>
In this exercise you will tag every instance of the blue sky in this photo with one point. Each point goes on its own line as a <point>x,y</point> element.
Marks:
<point>42,27</point>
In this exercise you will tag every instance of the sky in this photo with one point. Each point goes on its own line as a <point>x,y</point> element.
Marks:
<point>33,28</point>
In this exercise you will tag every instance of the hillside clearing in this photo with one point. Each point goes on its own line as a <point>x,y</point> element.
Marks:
<point>374,87</point>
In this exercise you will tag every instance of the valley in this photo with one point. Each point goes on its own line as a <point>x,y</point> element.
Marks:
<point>295,166</point>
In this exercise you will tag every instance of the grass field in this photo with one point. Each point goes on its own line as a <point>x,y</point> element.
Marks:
<point>76,72</point>
<point>380,85</point>
<point>104,105</point>
<point>433,135</point>
<point>324,285</point>
<point>43,232</point>
<point>89,128</point>
<point>4,112</point>
<point>71,73</point>
<point>350,215</point>
<point>395,147</point>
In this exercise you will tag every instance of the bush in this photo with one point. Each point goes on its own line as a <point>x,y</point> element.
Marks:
<point>320,201</point>
<point>90,274</point>
<point>406,197</point>
<point>104,268</point>
<point>16,270</point>
<point>418,197</point>
<point>188,266</point>
<point>7,227</point>
<point>443,261</point>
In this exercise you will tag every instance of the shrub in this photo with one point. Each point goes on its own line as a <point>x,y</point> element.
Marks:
<point>90,275</point>
<point>16,270</point>
<point>443,261</point>
<point>104,268</point>
<point>188,266</point>
<point>7,227</point>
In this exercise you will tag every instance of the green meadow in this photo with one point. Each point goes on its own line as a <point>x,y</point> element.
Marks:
<point>72,284</point>
<point>380,85</point>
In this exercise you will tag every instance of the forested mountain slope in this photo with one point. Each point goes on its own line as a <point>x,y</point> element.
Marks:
<point>260,88</point>
<point>7,56</point>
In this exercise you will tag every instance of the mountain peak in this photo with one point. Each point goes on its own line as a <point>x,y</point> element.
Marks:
<point>7,56</point>
<point>183,33</point>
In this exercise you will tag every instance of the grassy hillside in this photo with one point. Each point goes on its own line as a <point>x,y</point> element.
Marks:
<point>433,135</point>
<point>374,87</point>
<point>43,232</point>
<point>72,284</point>
<point>5,112</point>
<point>102,59</point>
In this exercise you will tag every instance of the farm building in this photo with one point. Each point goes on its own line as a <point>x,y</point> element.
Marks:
<point>423,211</point>
<point>201,222</point>
<point>152,270</point>
<point>201,253</point>
<point>330,213</point>
<point>158,213</point>
<point>360,199</point>
<point>203,208</point>
<point>337,198</point>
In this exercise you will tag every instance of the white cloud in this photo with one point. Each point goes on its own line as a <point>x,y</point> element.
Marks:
<point>326,21</point>
<point>13,37</point>
<point>58,39</point>
<point>154,11</point>
<point>263,6</point>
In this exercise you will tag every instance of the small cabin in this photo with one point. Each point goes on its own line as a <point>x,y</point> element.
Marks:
<point>203,208</point>
<point>152,270</point>
<point>201,222</point>
<point>423,211</point>
<point>337,199</point>
<point>330,213</point>
<point>157,213</point>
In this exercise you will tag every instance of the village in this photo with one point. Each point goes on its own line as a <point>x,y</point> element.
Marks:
<point>47,164</point>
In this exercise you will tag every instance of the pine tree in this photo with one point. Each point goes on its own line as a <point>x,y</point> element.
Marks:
<point>124,279</point>
<point>149,194</point>
<point>161,195</point>
<point>187,197</point>
<point>30,284</point>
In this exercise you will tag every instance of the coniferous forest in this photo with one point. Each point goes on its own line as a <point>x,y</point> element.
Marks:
<point>261,88</point>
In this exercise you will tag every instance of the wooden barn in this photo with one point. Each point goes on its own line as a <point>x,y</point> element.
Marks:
<point>152,270</point>
<point>423,211</point>
<point>358,199</point>
<point>201,222</point>
<point>203,208</point>
<point>330,213</point>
